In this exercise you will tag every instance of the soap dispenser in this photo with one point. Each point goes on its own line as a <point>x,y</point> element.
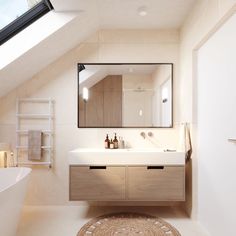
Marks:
<point>115,142</point>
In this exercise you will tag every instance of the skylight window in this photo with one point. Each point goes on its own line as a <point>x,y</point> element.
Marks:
<point>15,15</point>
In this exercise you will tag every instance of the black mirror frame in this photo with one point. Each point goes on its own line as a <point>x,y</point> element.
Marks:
<point>81,66</point>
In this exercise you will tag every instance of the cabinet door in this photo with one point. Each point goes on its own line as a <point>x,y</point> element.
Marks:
<point>156,183</point>
<point>97,183</point>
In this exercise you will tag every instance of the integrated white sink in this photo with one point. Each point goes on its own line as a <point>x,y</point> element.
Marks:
<point>131,156</point>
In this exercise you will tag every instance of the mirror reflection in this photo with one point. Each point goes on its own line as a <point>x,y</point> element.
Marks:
<point>125,95</point>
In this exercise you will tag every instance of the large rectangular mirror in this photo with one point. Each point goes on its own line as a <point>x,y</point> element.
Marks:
<point>125,95</point>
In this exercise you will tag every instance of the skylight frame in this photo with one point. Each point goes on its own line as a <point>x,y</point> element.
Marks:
<point>25,20</point>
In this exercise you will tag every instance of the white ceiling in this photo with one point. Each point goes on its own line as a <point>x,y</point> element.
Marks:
<point>92,16</point>
<point>27,64</point>
<point>124,13</point>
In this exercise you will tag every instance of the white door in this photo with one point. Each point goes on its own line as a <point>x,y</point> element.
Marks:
<point>216,124</point>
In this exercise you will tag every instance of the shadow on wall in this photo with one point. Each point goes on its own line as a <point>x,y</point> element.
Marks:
<point>160,211</point>
<point>187,205</point>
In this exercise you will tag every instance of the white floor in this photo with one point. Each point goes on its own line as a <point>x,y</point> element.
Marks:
<point>67,220</point>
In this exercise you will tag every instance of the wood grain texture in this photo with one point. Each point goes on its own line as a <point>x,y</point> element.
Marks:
<point>113,101</point>
<point>94,106</point>
<point>97,184</point>
<point>104,106</point>
<point>81,112</point>
<point>166,184</point>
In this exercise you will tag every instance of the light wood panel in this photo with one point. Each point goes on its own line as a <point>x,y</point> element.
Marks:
<point>104,106</point>
<point>97,184</point>
<point>166,184</point>
<point>113,101</point>
<point>94,106</point>
<point>81,112</point>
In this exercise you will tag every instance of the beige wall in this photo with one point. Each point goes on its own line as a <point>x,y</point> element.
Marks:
<point>59,81</point>
<point>134,101</point>
<point>205,18</point>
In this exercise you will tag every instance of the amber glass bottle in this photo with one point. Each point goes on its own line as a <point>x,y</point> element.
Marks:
<point>111,144</point>
<point>115,142</point>
<point>107,142</point>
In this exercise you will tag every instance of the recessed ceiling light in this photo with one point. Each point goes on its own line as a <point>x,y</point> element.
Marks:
<point>142,11</point>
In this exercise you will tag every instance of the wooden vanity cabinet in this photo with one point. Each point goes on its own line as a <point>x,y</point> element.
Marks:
<point>130,183</point>
<point>97,183</point>
<point>156,183</point>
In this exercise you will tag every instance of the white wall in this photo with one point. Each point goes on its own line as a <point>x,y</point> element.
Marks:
<point>217,123</point>
<point>59,81</point>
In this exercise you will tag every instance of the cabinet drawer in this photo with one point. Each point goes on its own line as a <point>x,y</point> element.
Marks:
<point>97,183</point>
<point>156,183</point>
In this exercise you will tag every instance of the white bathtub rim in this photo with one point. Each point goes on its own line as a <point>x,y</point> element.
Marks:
<point>26,173</point>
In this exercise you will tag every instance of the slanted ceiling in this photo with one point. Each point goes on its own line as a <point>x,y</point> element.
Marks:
<point>71,23</point>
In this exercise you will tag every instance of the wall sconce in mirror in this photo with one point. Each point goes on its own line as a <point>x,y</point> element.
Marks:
<point>140,112</point>
<point>125,95</point>
<point>85,94</point>
<point>164,93</point>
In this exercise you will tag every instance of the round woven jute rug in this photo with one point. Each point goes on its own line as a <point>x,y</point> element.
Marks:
<point>128,224</point>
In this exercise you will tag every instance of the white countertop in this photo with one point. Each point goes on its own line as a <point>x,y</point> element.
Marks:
<point>132,156</point>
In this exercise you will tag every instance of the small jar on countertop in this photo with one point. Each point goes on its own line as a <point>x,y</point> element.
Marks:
<point>111,144</point>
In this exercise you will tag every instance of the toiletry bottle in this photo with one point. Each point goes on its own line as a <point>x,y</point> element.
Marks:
<point>107,142</point>
<point>111,144</point>
<point>115,141</point>
<point>121,143</point>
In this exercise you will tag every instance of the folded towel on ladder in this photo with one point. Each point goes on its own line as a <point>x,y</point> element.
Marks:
<point>34,145</point>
